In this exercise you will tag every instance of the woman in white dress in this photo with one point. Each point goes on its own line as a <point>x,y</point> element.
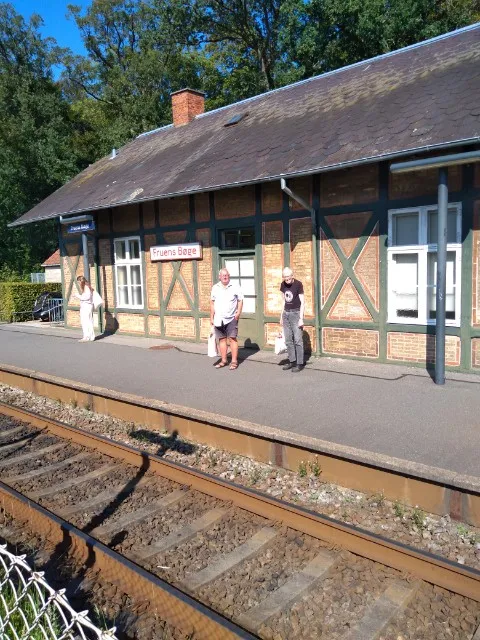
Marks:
<point>86,309</point>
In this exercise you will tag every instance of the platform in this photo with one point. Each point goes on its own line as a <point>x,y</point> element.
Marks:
<point>391,410</point>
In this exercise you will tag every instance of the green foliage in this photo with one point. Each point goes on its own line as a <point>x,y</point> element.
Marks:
<point>139,52</point>
<point>398,509</point>
<point>302,469</point>
<point>21,619</point>
<point>19,298</point>
<point>418,518</point>
<point>36,129</point>
<point>315,468</point>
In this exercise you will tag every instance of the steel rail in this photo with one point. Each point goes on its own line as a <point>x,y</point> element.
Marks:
<point>169,603</point>
<point>432,568</point>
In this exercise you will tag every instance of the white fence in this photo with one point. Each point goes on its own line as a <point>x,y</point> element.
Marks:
<point>31,610</point>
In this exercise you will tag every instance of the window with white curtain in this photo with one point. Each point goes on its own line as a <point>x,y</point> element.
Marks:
<point>412,265</point>
<point>128,272</point>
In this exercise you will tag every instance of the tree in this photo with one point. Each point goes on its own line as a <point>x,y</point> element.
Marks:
<point>334,33</point>
<point>36,127</point>
<point>138,53</point>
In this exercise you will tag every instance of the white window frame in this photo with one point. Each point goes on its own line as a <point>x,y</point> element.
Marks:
<point>128,262</point>
<point>422,249</point>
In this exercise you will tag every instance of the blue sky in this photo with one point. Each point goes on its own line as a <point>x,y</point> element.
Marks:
<point>56,24</point>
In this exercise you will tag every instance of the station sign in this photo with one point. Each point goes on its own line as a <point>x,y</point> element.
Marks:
<point>189,251</point>
<point>81,227</point>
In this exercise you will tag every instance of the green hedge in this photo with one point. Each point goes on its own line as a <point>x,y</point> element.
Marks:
<point>18,298</point>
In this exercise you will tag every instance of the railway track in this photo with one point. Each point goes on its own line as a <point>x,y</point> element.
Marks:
<point>249,565</point>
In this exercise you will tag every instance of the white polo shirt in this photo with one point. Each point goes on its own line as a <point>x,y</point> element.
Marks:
<point>226,301</point>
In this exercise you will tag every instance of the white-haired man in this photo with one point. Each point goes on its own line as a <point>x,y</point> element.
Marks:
<point>292,320</point>
<point>226,303</point>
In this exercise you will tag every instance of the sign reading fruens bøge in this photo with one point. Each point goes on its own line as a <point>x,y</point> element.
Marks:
<point>189,251</point>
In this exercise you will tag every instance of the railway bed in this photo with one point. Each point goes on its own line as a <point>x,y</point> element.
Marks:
<point>273,569</point>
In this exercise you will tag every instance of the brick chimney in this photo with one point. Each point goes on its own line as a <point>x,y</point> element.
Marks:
<point>186,104</point>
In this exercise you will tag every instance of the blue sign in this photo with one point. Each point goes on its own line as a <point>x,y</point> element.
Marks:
<point>81,227</point>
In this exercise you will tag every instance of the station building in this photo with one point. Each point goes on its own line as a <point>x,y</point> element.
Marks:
<point>361,239</point>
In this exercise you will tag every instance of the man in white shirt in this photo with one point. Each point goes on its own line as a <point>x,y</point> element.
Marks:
<point>226,302</point>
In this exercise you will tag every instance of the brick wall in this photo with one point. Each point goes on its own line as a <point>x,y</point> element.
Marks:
<point>186,104</point>
<point>178,300</point>
<point>349,186</point>
<point>179,327</point>
<point>151,276</point>
<point>204,270</point>
<point>422,183</point>
<point>202,207</point>
<point>367,268</point>
<point>476,353</point>
<point>420,348</point>
<point>330,267</point>
<point>174,211</point>
<point>126,219</point>
<point>235,203</point>
<point>301,259</point>
<point>349,306</point>
<point>301,187</point>
<point>204,328</point>
<point>68,265</point>
<point>309,339</point>
<point>106,273</point>
<point>272,266</point>
<point>476,265</point>
<point>350,342</point>
<point>272,197</point>
<point>154,325</point>
<point>148,214</point>
<point>131,323</point>
<point>92,272</point>
<point>272,329</point>
<point>347,228</point>
<point>73,318</point>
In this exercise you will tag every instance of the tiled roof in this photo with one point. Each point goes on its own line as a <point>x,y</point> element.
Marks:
<point>421,97</point>
<point>53,260</point>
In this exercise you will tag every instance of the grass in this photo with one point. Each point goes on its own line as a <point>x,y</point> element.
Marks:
<point>379,498</point>
<point>467,535</point>
<point>315,468</point>
<point>255,475</point>
<point>302,469</point>
<point>15,625</point>
<point>418,518</point>
<point>398,509</point>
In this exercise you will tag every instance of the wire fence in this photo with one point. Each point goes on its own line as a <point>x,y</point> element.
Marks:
<point>31,610</point>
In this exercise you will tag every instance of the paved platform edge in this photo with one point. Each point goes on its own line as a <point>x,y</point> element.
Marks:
<point>435,475</point>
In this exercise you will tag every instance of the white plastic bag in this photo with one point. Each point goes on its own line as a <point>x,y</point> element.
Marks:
<point>280,345</point>
<point>97,300</point>
<point>212,346</point>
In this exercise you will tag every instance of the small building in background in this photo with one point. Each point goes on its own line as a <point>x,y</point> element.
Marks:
<point>53,271</point>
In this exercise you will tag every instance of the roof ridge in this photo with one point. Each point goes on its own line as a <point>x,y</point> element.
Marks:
<point>382,56</point>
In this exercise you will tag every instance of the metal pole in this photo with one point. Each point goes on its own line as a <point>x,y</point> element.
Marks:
<point>86,268</point>
<point>441,275</point>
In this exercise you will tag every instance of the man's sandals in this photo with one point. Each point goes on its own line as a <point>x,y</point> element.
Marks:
<point>232,367</point>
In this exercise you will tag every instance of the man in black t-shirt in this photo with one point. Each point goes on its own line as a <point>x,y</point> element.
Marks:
<point>292,320</point>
